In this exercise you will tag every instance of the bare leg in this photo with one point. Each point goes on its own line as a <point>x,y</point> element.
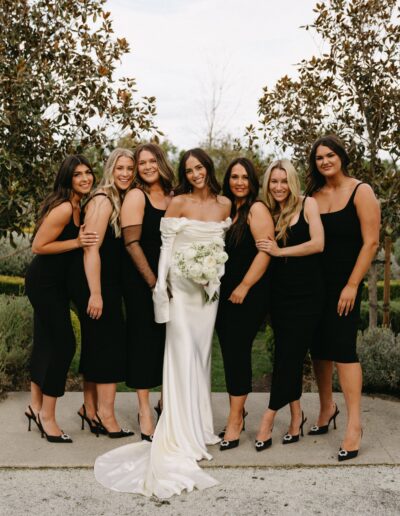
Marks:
<point>48,415</point>
<point>106,399</point>
<point>350,378</point>
<point>295,417</point>
<point>90,398</point>
<point>145,413</point>
<point>36,398</point>
<point>323,370</point>
<point>266,425</point>
<point>235,419</point>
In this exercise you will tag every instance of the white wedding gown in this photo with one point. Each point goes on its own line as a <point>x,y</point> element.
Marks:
<point>168,465</point>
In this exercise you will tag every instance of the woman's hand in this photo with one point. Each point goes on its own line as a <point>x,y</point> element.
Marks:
<point>269,246</point>
<point>95,306</point>
<point>346,300</point>
<point>86,239</point>
<point>238,295</point>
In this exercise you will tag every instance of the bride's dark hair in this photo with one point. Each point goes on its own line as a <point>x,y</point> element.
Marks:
<point>184,186</point>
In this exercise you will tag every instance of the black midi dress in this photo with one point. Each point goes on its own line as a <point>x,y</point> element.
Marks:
<point>297,294</point>
<point>103,340</point>
<point>145,338</point>
<point>53,338</point>
<point>336,337</point>
<point>237,324</point>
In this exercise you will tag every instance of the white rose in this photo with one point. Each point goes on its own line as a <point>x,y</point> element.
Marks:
<point>209,262</point>
<point>218,241</point>
<point>190,253</point>
<point>221,257</point>
<point>210,273</point>
<point>195,270</point>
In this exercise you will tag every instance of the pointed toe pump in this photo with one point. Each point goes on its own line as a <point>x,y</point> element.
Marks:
<point>229,445</point>
<point>348,454</point>
<point>319,430</point>
<point>144,437</point>
<point>289,438</point>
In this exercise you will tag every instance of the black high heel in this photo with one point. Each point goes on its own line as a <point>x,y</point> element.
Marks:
<point>31,417</point>
<point>100,428</point>
<point>289,438</point>
<point>229,445</point>
<point>63,438</point>
<point>244,414</point>
<point>347,455</point>
<point>158,410</point>
<point>92,427</point>
<point>263,445</point>
<point>318,430</point>
<point>144,437</point>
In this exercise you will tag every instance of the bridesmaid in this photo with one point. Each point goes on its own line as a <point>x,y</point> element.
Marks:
<point>141,213</point>
<point>244,287</point>
<point>297,292</point>
<point>57,236</point>
<point>351,217</point>
<point>97,288</point>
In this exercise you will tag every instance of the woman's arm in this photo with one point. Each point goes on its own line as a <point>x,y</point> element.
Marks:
<point>261,227</point>
<point>369,215</point>
<point>97,216</point>
<point>132,213</point>
<point>45,241</point>
<point>312,246</point>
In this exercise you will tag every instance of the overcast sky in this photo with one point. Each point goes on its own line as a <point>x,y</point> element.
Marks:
<point>179,48</point>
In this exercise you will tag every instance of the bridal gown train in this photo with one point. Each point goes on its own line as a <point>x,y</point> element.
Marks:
<point>168,465</point>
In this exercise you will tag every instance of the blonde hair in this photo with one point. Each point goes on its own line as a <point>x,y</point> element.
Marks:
<point>283,217</point>
<point>107,185</point>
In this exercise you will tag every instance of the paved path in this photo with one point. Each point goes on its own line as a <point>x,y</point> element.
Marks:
<point>39,478</point>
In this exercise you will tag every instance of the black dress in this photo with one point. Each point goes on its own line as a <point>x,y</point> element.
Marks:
<point>103,341</point>
<point>337,336</point>
<point>296,303</point>
<point>145,337</point>
<point>237,324</point>
<point>53,338</point>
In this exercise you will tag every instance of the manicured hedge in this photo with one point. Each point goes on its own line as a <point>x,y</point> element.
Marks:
<point>394,290</point>
<point>394,315</point>
<point>12,285</point>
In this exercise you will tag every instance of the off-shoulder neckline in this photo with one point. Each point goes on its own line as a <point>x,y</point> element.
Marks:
<point>197,220</point>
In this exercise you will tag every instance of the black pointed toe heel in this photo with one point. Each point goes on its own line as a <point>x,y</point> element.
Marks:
<point>144,437</point>
<point>92,426</point>
<point>158,410</point>
<point>31,417</point>
<point>244,414</point>
<point>289,438</point>
<point>319,430</point>
<point>262,445</point>
<point>63,438</point>
<point>100,428</point>
<point>229,445</point>
<point>348,454</point>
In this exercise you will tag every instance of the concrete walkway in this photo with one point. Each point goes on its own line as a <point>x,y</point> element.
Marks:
<point>380,445</point>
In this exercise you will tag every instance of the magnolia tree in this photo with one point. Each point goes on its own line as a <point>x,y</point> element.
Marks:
<point>58,95</point>
<point>351,89</point>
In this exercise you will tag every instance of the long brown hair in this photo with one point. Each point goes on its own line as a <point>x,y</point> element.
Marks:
<point>184,186</point>
<point>166,171</point>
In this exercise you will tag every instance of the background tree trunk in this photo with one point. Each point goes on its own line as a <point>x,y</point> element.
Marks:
<point>373,295</point>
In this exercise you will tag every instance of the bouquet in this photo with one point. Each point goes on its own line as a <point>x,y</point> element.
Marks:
<point>202,264</point>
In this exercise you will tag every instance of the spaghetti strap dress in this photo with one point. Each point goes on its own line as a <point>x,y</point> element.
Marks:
<point>297,294</point>
<point>237,324</point>
<point>145,337</point>
<point>103,340</point>
<point>336,338</point>
<point>53,336</point>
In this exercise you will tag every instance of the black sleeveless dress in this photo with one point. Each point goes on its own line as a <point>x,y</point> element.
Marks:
<point>237,324</point>
<point>103,341</point>
<point>336,338</point>
<point>146,338</point>
<point>296,302</point>
<point>53,338</point>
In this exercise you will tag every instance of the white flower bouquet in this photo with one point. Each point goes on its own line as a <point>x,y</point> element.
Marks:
<point>202,264</point>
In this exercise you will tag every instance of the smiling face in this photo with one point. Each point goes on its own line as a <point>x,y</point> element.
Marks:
<point>123,173</point>
<point>147,167</point>
<point>239,182</point>
<point>327,161</point>
<point>278,185</point>
<point>82,180</point>
<point>196,173</point>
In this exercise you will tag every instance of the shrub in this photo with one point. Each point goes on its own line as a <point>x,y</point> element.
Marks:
<point>394,315</point>
<point>15,260</point>
<point>16,334</point>
<point>394,290</point>
<point>12,285</point>
<point>379,353</point>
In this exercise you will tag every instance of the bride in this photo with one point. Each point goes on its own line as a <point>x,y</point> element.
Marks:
<point>168,465</point>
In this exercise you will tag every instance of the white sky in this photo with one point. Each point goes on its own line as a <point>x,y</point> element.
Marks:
<point>179,47</point>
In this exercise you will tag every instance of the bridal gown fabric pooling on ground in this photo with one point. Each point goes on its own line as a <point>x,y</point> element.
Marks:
<point>168,465</point>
